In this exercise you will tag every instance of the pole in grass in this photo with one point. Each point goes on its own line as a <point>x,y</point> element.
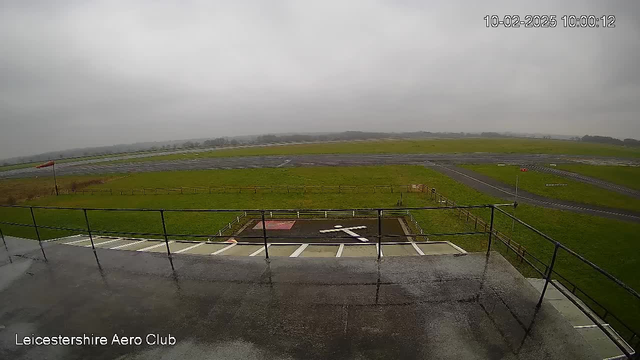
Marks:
<point>53,164</point>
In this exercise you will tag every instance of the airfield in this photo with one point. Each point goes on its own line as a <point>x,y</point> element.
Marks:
<point>307,260</point>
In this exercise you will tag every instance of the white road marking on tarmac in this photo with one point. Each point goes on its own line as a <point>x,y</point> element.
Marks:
<point>340,250</point>
<point>348,231</point>
<point>154,246</point>
<point>299,250</point>
<point>418,250</point>
<point>284,163</point>
<point>259,251</point>
<point>77,241</point>
<point>104,242</point>
<point>189,248</point>
<point>127,245</point>
<point>224,249</point>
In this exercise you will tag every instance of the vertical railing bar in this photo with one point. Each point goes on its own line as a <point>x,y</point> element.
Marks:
<point>379,234</point>
<point>549,272</point>
<point>490,230</point>
<point>166,239</point>
<point>93,246</point>
<point>5,247</point>
<point>264,235</point>
<point>35,225</point>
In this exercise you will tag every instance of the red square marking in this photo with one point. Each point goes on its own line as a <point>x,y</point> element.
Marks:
<point>275,225</point>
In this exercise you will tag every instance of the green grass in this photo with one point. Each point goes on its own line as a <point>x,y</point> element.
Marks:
<point>470,145</point>
<point>609,243</point>
<point>535,182</point>
<point>21,189</point>
<point>628,176</point>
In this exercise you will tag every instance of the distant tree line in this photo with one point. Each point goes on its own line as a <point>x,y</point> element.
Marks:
<point>285,138</point>
<point>610,140</point>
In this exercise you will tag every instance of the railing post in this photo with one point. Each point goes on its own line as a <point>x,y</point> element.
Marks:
<point>490,229</point>
<point>379,234</point>
<point>549,272</point>
<point>5,246</point>
<point>93,246</point>
<point>264,234</point>
<point>166,239</point>
<point>35,225</point>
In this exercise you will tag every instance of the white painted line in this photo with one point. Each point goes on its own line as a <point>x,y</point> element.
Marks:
<point>74,242</point>
<point>588,326</point>
<point>126,245</point>
<point>299,250</point>
<point>284,163</point>
<point>259,251</point>
<point>104,242</point>
<point>340,249</point>
<point>189,248</point>
<point>224,249</point>
<point>64,237</point>
<point>456,247</point>
<point>418,250</point>
<point>348,231</point>
<point>154,246</point>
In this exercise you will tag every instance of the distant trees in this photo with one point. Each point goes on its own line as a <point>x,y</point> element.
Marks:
<point>216,142</point>
<point>610,140</point>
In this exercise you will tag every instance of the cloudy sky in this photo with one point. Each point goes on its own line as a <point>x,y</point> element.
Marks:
<point>81,73</point>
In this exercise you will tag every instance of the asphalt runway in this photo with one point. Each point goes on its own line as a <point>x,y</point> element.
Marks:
<point>422,307</point>
<point>248,162</point>
<point>490,186</point>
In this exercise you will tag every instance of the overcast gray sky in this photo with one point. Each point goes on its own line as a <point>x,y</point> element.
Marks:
<point>87,73</point>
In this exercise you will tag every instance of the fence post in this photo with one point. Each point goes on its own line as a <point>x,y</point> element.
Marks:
<point>379,234</point>
<point>5,246</point>
<point>490,230</point>
<point>549,272</point>
<point>264,235</point>
<point>166,239</point>
<point>35,226</point>
<point>93,246</point>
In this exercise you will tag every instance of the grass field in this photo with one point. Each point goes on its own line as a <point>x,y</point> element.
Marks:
<point>531,146</point>
<point>535,182</point>
<point>609,243</point>
<point>16,190</point>
<point>628,176</point>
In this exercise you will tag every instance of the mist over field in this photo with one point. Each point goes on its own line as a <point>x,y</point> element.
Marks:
<point>84,74</point>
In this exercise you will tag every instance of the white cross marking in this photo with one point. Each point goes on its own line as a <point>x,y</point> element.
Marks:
<point>348,231</point>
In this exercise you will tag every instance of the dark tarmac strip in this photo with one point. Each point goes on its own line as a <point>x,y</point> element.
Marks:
<point>492,187</point>
<point>427,307</point>
<point>243,162</point>
<point>588,180</point>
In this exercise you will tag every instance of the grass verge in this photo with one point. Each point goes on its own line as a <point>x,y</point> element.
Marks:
<point>622,175</point>
<point>535,182</point>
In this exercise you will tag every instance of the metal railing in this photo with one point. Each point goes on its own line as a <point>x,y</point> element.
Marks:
<point>547,271</point>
